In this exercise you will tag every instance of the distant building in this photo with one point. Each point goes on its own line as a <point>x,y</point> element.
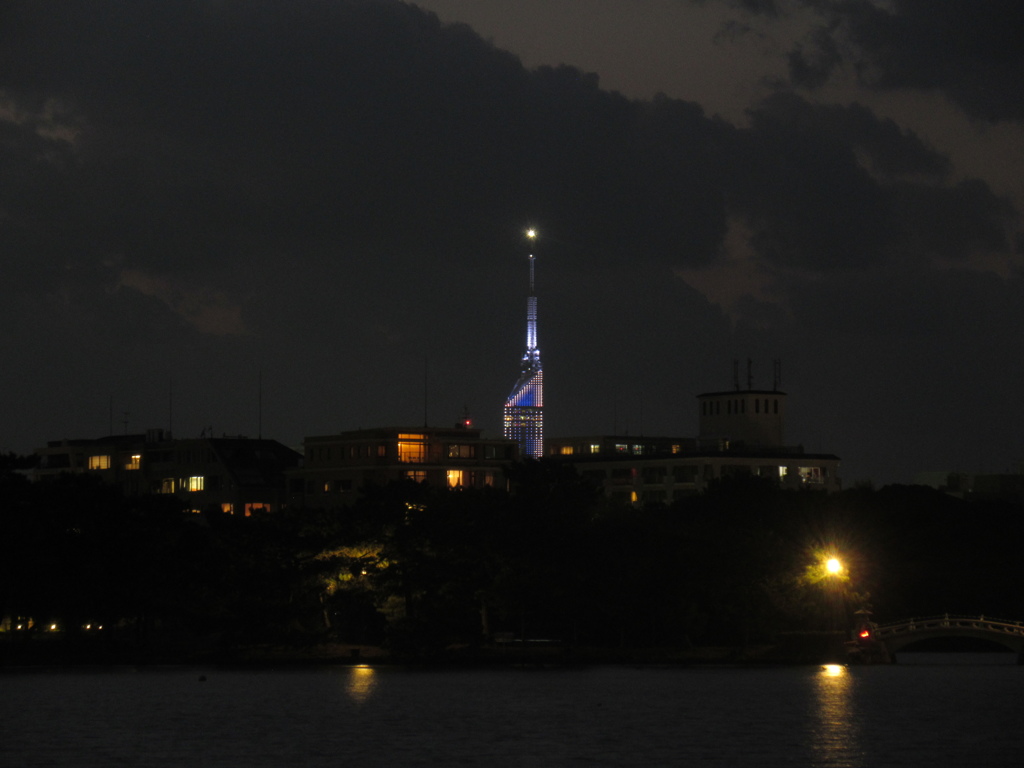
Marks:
<point>740,433</point>
<point>235,475</point>
<point>524,409</point>
<point>336,467</point>
<point>1006,486</point>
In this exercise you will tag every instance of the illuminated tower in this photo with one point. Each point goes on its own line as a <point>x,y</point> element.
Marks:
<point>524,408</point>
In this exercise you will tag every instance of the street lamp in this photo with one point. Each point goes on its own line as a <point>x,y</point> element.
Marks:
<point>833,566</point>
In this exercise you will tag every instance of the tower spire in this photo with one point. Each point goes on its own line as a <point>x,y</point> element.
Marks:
<point>524,408</point>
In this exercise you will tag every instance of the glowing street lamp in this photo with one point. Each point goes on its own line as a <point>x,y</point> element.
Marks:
<point>833,566</point>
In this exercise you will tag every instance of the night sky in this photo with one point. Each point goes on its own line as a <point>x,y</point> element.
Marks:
<point>330,196</point>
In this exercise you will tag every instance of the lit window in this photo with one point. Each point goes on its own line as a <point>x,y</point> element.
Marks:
<point>134,461</point>
<point>595,448</point>
<point>455,478</point>
<point>227,509</point>
<point>811,475</point>
<point>461,451</point>
<point>382,451</point>
<point>416,475</point>
<point>167,486</point>
<point>565,450</point>
<point>256,506</point>
<point>195,483</point>
<point>99,462</point>
<point>412,448</point>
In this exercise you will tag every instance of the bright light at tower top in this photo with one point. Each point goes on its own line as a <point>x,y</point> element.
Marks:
<point>531,233</point>
<point>833,565</point>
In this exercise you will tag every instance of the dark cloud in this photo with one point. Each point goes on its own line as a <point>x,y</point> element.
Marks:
<point>971,50</point>
<point>332,192</point>
<point>835,187</point>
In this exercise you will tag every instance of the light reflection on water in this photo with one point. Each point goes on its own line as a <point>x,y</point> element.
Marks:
<point>836,737</point>
<point>360,682</point>
<point>603,716</point>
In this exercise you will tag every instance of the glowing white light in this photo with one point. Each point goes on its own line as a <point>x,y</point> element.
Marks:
<point>531,233</point>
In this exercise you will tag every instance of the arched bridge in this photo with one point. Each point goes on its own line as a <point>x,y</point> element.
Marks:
<point>899,634</point>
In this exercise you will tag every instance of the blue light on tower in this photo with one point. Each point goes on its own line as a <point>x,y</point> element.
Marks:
<point>524,408</point>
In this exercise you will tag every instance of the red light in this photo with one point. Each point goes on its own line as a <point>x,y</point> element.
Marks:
<point>865,634</point>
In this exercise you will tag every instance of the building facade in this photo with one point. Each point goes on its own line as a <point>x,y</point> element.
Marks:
<point>740,433</point>
<point>336,467</point>
<point>234,475</point>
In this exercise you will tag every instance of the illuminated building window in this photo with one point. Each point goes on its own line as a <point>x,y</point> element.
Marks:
<point>416,475</point>
<point>227,509</point>
<point>195,483</point>
<point>621,448</point>
<point>455,477</point>
<point>811,475</point>
<point>327,487</point>
<point>566,450</point>
<point>99,462</point>
<point>167,486</point>
<point>461,451</point>
<point>412,448</point>
<point>595,448</point>
<point>638,450</point>
<point>256,506</point>
<point>488,478</point>
<point>382,451</point>
<point>133,462</point>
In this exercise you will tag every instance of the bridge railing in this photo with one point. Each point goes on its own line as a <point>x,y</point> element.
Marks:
<point>947,621</point>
